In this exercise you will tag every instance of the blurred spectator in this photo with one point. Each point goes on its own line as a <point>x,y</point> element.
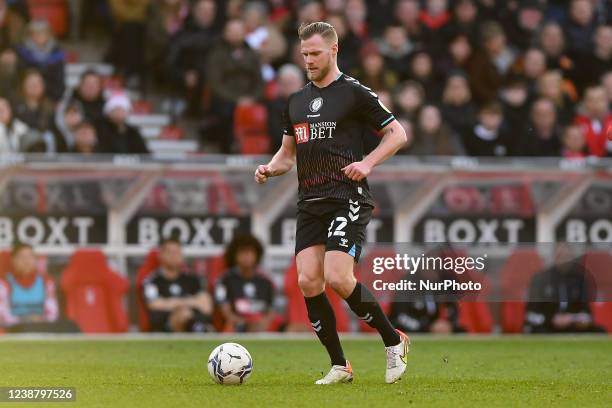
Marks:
<point>421,70</point>
<point>12,25</point>
<point>487,68</point>
<point>127,46</point>
<point>596,121</point>
<point>290,80</point>
<point>434,17</point>
<point>550,86</point>
<point>348,44</point>
<point>464,20</point>
<point>64,126</point>
<point>488,137</point>
<point>115,135</point>
<point>245,296</point>
<point>15,136</point>
<point>176,300</point>
<point>408,13</point>
<point>372,72</point>
<point>165,18</point>
<point>396,48</point>
<point>457,107</point>
<point>432,137</point>
<point>9,74</point>
<point>187,56</point>
<point>543,138</point>
<point>88,94</point>
<point>28,301</point>
<point>574,143</point>
<point>515,104</point>
<point>33,107</point>
<point>379,12</point>
<point>234,77</point>
<point>456,56</point>
<point>523,25</point>
<point>309,11</point>
<point>590,67</point>
<point>85,139</point>
<point>552,43</point>
<point>356,17</point>
<point>39,50</point>
<point>580,27</point>
<point>559,298</point>
<point>533,66</point>
<point>408,99</point>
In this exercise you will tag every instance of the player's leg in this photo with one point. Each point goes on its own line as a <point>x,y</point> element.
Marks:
<point>320,313</point>
<point>345,237</point>
<point>179,317</point>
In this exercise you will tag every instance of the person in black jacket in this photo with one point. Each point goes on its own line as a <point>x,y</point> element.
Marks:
<point>559,298</point>
<point>88,94</point>
<point>114,134</point>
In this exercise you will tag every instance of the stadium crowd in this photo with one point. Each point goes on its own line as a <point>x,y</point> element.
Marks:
<point>465,77</point>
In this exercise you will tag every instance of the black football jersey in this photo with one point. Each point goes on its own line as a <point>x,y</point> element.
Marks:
<point>157,286</point>
<point>329,125</point>
<point>247,296</point>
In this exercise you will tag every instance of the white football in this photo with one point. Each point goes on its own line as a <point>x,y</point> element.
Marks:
<point>230,364</point>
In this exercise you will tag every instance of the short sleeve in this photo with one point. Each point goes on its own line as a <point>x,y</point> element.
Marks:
<point>286,121</point>
<point>371,109</point>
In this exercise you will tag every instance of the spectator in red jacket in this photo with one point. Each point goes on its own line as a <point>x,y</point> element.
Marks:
<point>596,121</point>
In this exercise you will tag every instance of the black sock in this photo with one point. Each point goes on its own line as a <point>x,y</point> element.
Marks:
<point>323,321</point>
<point>365,306</point>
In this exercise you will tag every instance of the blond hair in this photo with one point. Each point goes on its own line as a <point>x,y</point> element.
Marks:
<point>325,30</point>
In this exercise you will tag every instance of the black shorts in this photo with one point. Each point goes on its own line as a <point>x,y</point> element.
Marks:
<point>339,225</point>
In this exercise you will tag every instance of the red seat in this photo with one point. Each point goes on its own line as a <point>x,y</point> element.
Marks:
<point>171,133</point>
<point>515,278</point>
<point>597,263</point>
<point>53,11</point>
<point>251,128</point>
<point>142,107</point>
<point>94,293</point>
<point>297,315</point>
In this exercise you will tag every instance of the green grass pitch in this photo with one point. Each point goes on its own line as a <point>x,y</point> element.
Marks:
<point>486,372</point>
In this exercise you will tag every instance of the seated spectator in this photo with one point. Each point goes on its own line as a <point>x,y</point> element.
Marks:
<point>28,301</point>
<point>596,121</point>
<point>9,73</point>
<point>88,94</point>
<point>432,137</point>
<point>550,86</point>
<point>434,18</point>
<point>115,135</point>
<point>455,58</point>
<point>40,51</point>
<point>522,25</point>
<point>592,66</point>
<point>580,27</point>
<point>12,25</point>
<point>372,71</point>
<point>176,300</point>
<point>514,97</point>
<point>532,67</point>
<point>187,56</point>
<point>421,71</point>
<point>15,136</point>
<point>245,296</point>
<point>408,13</point>
<point>61,135</point>
<point>542,137</point>
<point>560,296</point>
<point>33,107</point>
<point>234,76</point>
<point>552,43</point>
<point>290,80</point>
<point>464,20</point>
<point>458,110</point>
<point>574,143</point>
<point>85,139</point>
<point>348,42</point>
<point>396,49</point>
<point>488,137</point>
<point>408,99</point>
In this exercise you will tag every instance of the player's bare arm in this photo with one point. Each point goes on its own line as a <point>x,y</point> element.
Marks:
<point>281,162</point>
<point>394,137</point>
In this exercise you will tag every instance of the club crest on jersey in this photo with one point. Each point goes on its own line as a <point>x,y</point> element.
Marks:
<point>315,104</point>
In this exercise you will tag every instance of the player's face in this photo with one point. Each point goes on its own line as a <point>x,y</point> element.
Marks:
<point>318,56</point>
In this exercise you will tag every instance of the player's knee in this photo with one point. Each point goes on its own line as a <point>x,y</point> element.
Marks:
<point>342,284</point>
<point>310,286</point>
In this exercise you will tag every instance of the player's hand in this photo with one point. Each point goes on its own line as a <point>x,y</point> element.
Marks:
<point>262,173</point>
<point>357,171</point>
<point>562,320</point>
